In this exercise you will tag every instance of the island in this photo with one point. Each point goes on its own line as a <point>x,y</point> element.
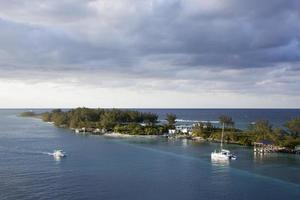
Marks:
<point>133,122</point>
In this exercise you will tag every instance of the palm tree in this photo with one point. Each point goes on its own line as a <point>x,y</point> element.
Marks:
<point>171,118</point>
<point>226,121</point>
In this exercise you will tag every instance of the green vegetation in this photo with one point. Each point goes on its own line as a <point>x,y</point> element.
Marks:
<point>28,114</point>
<point>227,121</point>
<point>122,121</point>
<point>284,137</point>
<point>204,130</point>
<point>143,123</point>
<point>293,127</point>
<point>171,119</point>
<point>137,129</point>
<point>258,131</point>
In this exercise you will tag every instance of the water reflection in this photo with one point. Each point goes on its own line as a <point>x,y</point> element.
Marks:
<point>57,159</point>
<point>220,170</point>
<point>220,163</point>
<point>184,143</point>
<point>260,157</point>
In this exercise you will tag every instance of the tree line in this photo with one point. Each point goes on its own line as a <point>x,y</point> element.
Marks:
<point>146,123</point>
<point>111,120</point>
<point>97,118</point>
<point>287,136</point>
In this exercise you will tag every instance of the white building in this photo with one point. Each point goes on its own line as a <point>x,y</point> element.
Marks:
<point>186,129</point>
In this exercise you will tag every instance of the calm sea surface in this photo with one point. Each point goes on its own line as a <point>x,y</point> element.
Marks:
<point>139,168</point>
<point>241,117</point>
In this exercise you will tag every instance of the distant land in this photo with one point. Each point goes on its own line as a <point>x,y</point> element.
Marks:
<point>133,122</point>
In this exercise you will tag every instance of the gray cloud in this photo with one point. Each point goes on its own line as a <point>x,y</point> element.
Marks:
<point>174,44</point>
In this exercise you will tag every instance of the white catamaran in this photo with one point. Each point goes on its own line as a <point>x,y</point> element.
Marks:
<point>223,154</point>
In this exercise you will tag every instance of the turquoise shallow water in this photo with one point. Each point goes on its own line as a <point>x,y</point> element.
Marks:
<point>132,168</point>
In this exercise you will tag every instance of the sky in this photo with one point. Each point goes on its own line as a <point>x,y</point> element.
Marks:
<point>150,53</point>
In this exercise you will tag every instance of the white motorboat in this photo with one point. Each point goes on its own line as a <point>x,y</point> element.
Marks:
<point>223,154</point>
<point>59,154</point>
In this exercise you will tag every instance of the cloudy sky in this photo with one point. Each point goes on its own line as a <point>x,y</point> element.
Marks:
<point>150,53</point>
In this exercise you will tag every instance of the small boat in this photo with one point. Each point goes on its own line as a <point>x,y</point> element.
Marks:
<point>223,154</point>
<point>58,154</point>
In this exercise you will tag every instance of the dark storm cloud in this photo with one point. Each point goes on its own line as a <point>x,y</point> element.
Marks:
<point>160,40</point>
<point>243,34</point>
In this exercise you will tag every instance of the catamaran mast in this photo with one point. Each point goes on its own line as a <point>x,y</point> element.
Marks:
<point>222,135</point>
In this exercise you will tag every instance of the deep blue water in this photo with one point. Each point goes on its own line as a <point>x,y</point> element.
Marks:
<point>134,168</point>
<point>242,117</point>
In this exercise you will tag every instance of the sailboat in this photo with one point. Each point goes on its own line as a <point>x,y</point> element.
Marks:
<point>223,154</point>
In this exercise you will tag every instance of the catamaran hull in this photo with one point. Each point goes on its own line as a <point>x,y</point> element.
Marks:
<point>218,156</point>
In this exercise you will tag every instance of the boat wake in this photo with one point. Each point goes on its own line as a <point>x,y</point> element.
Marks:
<point>23,151</point>
<point>48,153</point>
<point>34,152</point>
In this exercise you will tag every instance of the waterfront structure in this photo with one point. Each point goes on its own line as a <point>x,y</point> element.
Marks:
<point>264,146</point>
<point>297,149</point>
<point>186,129</point>
<point>80,130</point>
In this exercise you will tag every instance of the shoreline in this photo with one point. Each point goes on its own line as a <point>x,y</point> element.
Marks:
<point>121,135</point>
<point>152,134</point>
<point>176,137</point>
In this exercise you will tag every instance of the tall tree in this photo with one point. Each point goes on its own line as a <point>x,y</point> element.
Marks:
<point>293,127</point>
<point>171,119</point>
<point>261,130</point>
<point>226,120</point>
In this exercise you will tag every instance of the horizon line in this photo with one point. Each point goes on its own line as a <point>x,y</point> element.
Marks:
<point>166,108</point>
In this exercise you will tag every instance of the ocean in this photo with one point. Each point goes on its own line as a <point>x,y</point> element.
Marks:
<point>98,167</point>
<point>241,117</point>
